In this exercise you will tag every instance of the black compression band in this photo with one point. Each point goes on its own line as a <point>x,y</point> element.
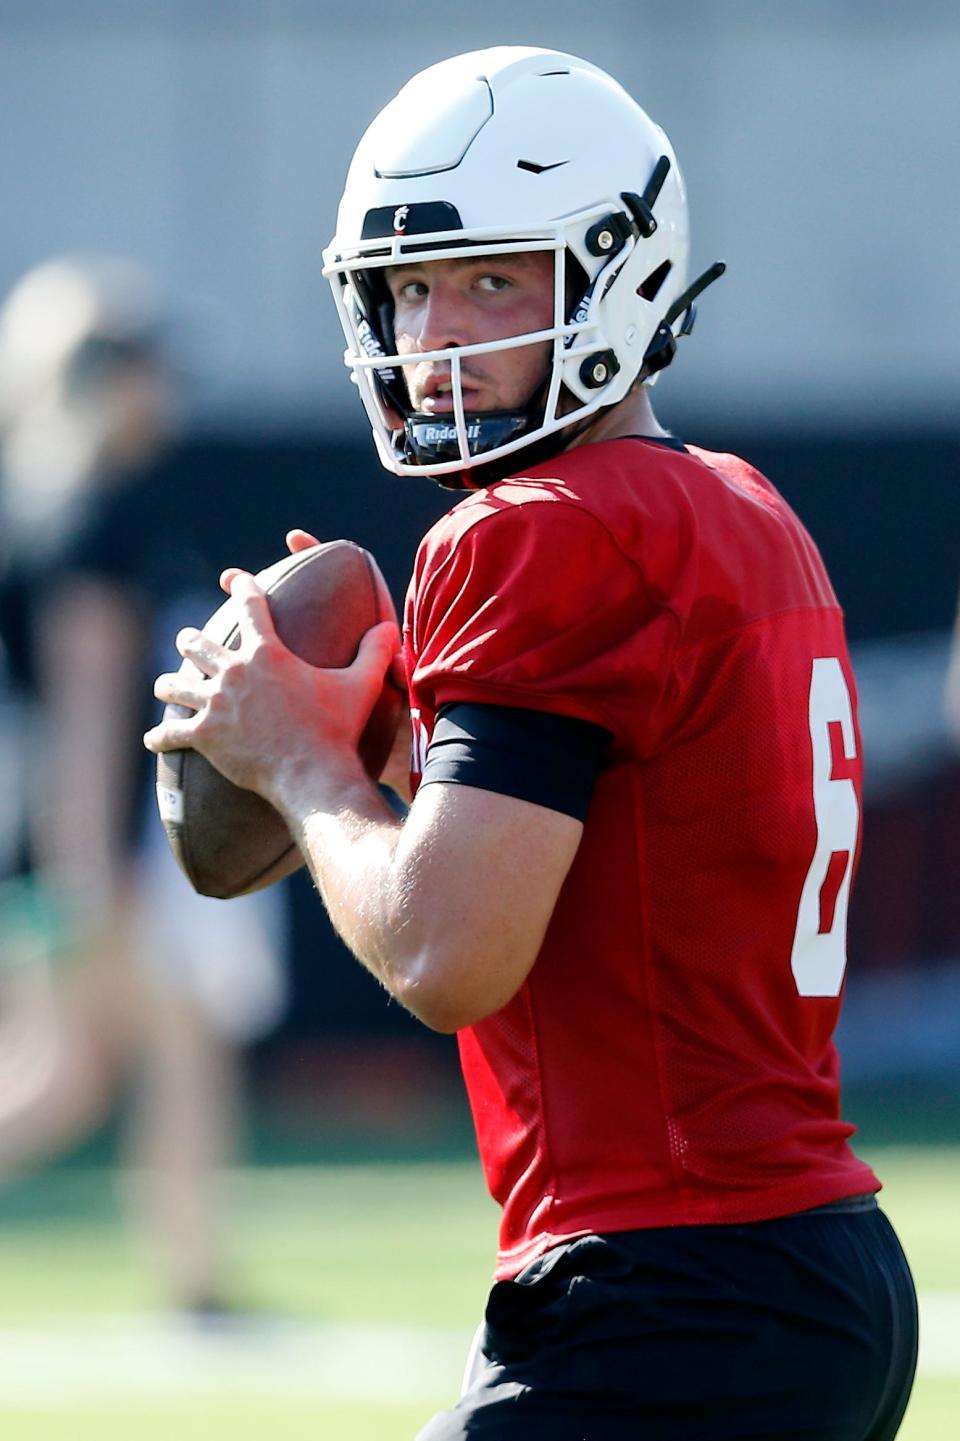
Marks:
<point>551,760</point>
<point>669,442</point>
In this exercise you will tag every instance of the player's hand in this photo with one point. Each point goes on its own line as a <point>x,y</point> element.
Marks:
<point>396,772</point>
<point>297,540</point>
<point>261,715</point>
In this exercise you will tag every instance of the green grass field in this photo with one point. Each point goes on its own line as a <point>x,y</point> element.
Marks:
<point>365,1282</point>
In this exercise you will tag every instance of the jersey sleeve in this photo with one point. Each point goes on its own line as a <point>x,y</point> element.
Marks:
<point>536,606</point>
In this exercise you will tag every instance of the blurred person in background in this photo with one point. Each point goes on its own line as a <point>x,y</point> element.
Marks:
<point>114,971</point>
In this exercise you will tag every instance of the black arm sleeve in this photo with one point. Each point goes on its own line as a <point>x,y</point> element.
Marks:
<point>551,760</point>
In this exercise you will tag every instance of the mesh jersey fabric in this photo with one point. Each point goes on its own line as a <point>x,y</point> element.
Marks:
<point>660,1065</point>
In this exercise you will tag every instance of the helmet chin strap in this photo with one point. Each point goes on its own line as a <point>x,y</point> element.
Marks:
<point>432,439</point>
<point>476,477</point>
<point>429,439</point>
<point>663,346</point>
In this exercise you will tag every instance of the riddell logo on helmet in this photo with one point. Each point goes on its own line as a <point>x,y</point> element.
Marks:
<point>582,312</point>
<point>400,219</point>
<point>371,347</point>
<point>438,434</point>
<point>369,343</point>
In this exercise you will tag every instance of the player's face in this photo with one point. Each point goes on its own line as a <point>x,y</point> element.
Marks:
<point>444,303</point>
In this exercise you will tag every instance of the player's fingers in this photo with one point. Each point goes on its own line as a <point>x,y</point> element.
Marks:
<point>228,576</point>
<point>377,649</point>
<point>298,540</point>
<point>253,610</point>
<point>172,734</point>
<point>177,689</point>
<point>207,655</point>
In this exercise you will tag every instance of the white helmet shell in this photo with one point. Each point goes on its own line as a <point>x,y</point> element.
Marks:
<point>507,150</point>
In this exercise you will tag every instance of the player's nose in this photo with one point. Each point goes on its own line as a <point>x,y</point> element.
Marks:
<point>442,321</point>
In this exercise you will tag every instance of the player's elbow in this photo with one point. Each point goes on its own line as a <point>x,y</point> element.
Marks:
<point>454,991</point>
<point>436,1013</point>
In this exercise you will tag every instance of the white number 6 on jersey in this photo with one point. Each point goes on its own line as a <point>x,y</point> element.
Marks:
<point>819,954</point>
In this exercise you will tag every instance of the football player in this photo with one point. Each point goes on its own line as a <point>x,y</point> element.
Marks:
<point>624,875</point>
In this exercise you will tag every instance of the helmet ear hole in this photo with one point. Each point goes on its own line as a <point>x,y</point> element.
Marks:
<point>654,281</point>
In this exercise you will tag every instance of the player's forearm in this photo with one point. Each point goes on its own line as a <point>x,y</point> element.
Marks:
<point>349,837</point>
<point>442,908</point>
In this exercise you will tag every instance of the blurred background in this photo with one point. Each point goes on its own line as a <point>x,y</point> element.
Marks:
<point>172,399</point>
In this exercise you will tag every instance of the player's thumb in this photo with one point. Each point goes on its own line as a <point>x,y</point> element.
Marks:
<point>377,650</point>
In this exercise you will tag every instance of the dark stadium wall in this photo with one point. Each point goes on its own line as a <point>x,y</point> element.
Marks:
<point>885,510</point>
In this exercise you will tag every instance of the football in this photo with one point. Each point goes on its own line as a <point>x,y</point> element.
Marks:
<point>229,841</point>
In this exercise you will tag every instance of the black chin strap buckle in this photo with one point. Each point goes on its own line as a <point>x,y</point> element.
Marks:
<point>660,351</point>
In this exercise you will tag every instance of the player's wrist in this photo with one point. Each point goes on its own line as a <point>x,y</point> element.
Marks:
<point>301,786</point>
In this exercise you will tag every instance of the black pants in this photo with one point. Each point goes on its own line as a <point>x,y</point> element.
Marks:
<point>798,1329</point>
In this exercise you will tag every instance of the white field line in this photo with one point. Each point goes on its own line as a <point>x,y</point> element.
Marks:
<point>940,1333</point>
<point>118,1359</point>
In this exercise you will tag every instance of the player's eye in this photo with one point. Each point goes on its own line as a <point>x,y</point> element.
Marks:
<point>410,290</point>
<point>493,282</point>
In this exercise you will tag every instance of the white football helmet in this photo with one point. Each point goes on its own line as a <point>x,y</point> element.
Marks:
<point>495,152</point>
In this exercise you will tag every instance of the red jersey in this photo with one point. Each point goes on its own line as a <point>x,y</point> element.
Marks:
<point>668,1060</point>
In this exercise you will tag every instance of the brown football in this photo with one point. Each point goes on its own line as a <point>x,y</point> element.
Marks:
<point>229,841</point>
